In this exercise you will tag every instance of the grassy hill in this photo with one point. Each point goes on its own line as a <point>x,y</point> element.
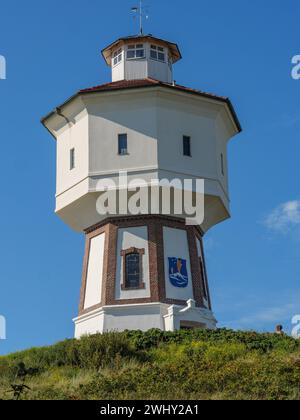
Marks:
<point>185,365</point>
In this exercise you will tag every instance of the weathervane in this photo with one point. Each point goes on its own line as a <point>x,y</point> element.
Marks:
<point>141,12</point>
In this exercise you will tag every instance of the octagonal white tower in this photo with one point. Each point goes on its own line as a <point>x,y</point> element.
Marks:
<point>147,125</point>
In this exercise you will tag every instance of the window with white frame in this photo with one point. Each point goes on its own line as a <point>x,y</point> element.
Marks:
<point>135,51</point>
<point>157,53</point>
<point>117,56</point>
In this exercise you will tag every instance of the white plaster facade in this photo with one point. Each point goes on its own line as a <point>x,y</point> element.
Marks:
<point>143,317</point>
<point>155,120</point>
<point>93,292</point>
<point>132,69</point>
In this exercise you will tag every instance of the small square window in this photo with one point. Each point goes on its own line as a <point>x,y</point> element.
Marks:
<point>161,56</point>
<point>131,54</point>
<point>72,159</point>
<point>140,53</point>
<point>122,144</point>
<point>117,57</point>
<point>135,51</point>
<point>157,53</point>
<point>187,146</point>
<point>153,54</point>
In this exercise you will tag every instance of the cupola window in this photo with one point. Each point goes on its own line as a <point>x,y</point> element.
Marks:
<point>135,51</point>
<point>117,57</point>
<point>157,53</point>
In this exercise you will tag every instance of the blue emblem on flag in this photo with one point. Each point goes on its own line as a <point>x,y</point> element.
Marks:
<point>178,272</point>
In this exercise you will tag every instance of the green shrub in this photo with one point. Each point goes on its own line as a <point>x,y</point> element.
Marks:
<point>198,364</point>
<point>98,351</point>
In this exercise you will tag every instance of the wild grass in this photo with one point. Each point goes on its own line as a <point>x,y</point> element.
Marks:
<point>201,365</point>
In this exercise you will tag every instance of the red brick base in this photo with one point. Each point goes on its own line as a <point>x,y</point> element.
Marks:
<point>155,225</point>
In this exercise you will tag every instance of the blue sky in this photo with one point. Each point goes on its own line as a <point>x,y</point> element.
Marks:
<point>238,48</point>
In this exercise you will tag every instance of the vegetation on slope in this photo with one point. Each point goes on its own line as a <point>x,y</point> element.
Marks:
<point>184,365</point>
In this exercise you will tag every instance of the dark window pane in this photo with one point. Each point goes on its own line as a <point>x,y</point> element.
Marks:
<point>132,279</point>
<point>186,146</point>
<point>161,56</point>
<point>131,54</point>
<point>72,159</point>
<point>140,53</point>
<point>122,144</point>
<point>153,54</point>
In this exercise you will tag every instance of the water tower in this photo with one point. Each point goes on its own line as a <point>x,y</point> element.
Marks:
<point>142,271</point>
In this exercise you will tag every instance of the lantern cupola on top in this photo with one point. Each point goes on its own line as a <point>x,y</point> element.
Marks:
<point>142,57</point>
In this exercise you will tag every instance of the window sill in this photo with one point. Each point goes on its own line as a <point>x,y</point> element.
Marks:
<point>159,61</point>
<point>136,58</point>
<point>129,289</point>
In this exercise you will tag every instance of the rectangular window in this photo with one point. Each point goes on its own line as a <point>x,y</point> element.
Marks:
<point>72,159</point>
<point>187,146</point>
<point>132,264</point>
<point>135,51</point>
<point>157,53</point>
<point>122,144</point>
<point>117,57</point>
<point>132,269</point>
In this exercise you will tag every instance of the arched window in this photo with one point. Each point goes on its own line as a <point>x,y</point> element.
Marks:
<point>132,269</point>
